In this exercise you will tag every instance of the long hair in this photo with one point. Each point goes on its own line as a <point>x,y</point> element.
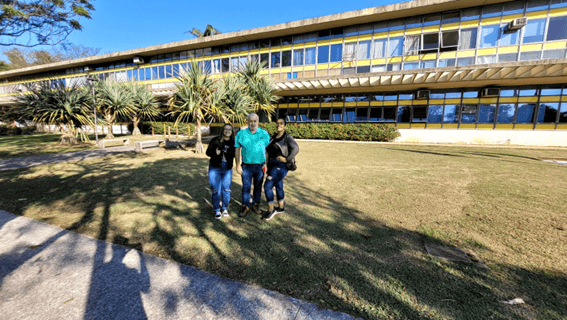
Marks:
<point>231,139</point>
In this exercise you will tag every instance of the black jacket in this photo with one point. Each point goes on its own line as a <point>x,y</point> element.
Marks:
<point>287,145</point>
<point>216,160</point>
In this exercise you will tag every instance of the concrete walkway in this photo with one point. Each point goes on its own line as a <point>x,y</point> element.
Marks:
<point>50,273</point>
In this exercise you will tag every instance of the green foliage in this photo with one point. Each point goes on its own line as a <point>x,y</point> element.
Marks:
<point>258,87</point>
<point>338,131</point>
<point>184,128</point>
<point>11,130</point>
<point>209,31</point>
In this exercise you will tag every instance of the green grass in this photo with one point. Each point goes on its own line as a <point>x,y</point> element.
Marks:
<point>357,218</point>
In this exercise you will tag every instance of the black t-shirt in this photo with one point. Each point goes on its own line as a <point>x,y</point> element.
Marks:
<point>224,150</point>
<point>273,150</point>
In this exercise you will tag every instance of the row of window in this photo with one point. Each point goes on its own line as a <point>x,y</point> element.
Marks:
<point>450,113</point>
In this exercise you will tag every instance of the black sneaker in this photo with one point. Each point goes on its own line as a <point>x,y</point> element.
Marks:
<point>279,210</point>
<point>243,211</point>
<point>256,208</point>
<point>270,214</point>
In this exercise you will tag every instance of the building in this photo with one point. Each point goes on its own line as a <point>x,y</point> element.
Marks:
<point>477,71</point>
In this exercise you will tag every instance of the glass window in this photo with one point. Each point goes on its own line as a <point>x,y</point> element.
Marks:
<point>453,95</point>
<point>363,50</point>
<point>435,114</point>
<point>217,66</point>
<point>298,57</point>
<point>148,73</point>
<point>394,67</point>
<point>350,115</point>
<point>351,31</point>
<point>447,63</point>
<point>381,27</point>
<point>470,14</point>
<point>207,67</point>
<point>525,113</point>
<point>510,38</point>
<point>155,73</point>
<point>397,24</point>
<point>494,10</point>
<point>412,45</point>
<point>485,59</point>
<point>548,112</point>
<point>537,5</point>
<point>450,39</point>
<point>404,114</point>
<point>128,75</point>
<point>506,113</point>
<point>389,114</point>
<point>391,97</point>
<point>551,91</point>
<point>302,115</point>
<point>313,114</point>
<point>413,22</point>
<point>337,52</point>
<point>242,61</point>
<point>554,54</point>
<point>325,114</point>
<point>286,40</point>
<point>508,93</point>
<point>428,64</point>
<point>378,48</point>
<point>363,69</point>
<point>563,113</point>
<point>310,54</point>
<point>405,96</point>
<point>361,114</point>
<point>507,57</point>
<point>470,93</point>
<point>486,113</point>
<point>450,113</point>
<point>292,75</point>
<point>365,29</point>
<point>349,70</point>
<point>451,17</point>
<point>395,46</point>
<point>299,39</point>
<point>489,36</point>
<point>557,29</point>
<point>375,114</point>
<point>276,59</point>
<point>465,61</point>
<point>265,43</point>
<point>265,60</point>
<point>322,54</point>
<point>419,114</point>
<point>528,92</point>
<point>411,65</point>
<point>225,65</point>
<point>323,35</point>
<point>558,4</point>
<point>337,33</point>
<point>286,58</point>
<point>291,115</point>
<point>337,114</point>
<point>533,55</point>
<point>436,94</point>
<point>234,64</point>
<point>533,31</point>
<point>379,68</point>
<point>468,39</point>
<point>514,7</point>
<point>468,113</point>
<point>168,71</point>
<point>377,97</point>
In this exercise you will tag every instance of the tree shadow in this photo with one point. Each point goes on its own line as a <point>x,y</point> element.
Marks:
<point>321,250</point>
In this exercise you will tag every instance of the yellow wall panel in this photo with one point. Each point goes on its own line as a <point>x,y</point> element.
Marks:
<point>564,98</point>
<point>447,55</point>
<point>351,39</point>
<point>511,17</point>
<point>545,127</point>
<point>549,99</point>
<point>310,44</point>
<point>322,66</point>
<point>255,51</point>
<point>524,126</point>
<point>265,50</point>
<point>337,104</point>
<point>363,63</point>
<point>485,126</point>
<point>468,53</point>
<point>467,126</point>
<point>365,37</point>
<point>350,104</point>
<point>378,61</point>
<point>429,56</point>
<point>418,125</point>
<point>297,69</point>
<point>558,12</point>
<point>470,100</point>
<point>504,126</point>
<point>362,104</point>
<point>452,101</point>
<point>420,102</point>
<point>336,41</point>
<point>554,45</point>
<point>433,126</point>
<point>390,103</point>
<point>326,104</point>
<point>488,100</point>
<point>450,125</point>
<point>309,68</point>
<point>450,26</point>
<point>469,24</point>
<point>527,99</point>
<point>287,69</point>
<point>292,106</point>
<point>404,102</point>
<point>488,21</point>
<point>348,64</point>
<point>314,105</point>
<point>509,49</point>
<point>413,31</point>
<point>435,101</point>
<point>403,125</point>
<point>508,99</point>
<point>286,47</point>
<point>265,72</point>
<point>411,58</point>
<point>562,127</point>
<point>395,60</point>
<point>381,35</point>
<point>530,47</point>
<point>482,52</point>
<point>303,105</point>
<point>536,15</point>
<point>396,33</point>
<point>376,103</point>
<point>336,65</point>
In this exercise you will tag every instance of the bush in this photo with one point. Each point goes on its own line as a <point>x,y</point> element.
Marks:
<point>146,127</point>
<point>12,130</point>
<point>338,131</point>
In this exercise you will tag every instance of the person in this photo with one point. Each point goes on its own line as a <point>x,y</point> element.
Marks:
<point>251,146</point>
<point>221,150</point>
<point>281,150</point>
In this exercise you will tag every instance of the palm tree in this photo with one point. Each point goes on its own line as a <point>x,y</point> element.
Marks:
<point>258,88</point>
<point>236,101</point>
<point>145,105</point>
<point>54,102</point>
<point>209,31</point>
<point>114,99</point>
<point>196,98</point>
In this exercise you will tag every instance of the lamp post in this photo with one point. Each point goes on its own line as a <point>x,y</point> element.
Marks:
<point>93,81</point>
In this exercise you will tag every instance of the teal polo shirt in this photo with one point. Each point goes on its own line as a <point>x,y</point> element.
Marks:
<point>253,145</point>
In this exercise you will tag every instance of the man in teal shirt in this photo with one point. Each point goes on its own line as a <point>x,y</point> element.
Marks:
<point>251,146</point>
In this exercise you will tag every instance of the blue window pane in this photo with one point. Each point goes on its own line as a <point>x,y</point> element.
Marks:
<point>525,113</point>
<point>411,65</point>
<point>508,39</point>
<point>453,95</point>
<point>508,93</point>
<point>336,52</point>
<point>563,113</point>
<point>148,74</point>
<point>465,61</point>
<point>350,115</point>
<point>435,114</point>
<point>298,57</point>
<point>551,91</point>
<point>450,114</point>
<point>217,66</point>
<point>447,63</point>
<point>489,36</point>
<point>155,73</point>
<point>391,97</point>
<point>207,67</point>
<point>404,114</point>
<point>470,94</point>
<point>323,54</point>
<point>175,70</point>
<point>506,113</point>
<point>310,54</point>
<point>494,10</point>
<point>389,114</point>
<point>537,5</point>
<point>557,29</point>
<point>397,25</point>
<point>486,113</point>
<point>533,31</point>
<point>436,95</point>
<point>547,112</point>
<point>275,59</point>
<point>468,113</point>
<point>428,64</point>
<point>234,64</point>
<point>129,75</point>
<point>337,114</point>
<point>558,4</point>
<point>286,58</point>
<point>395,46</point>
<point>406,96</point>
<point>515,7</point>
<point>528,93</point>
<point>419,114</point>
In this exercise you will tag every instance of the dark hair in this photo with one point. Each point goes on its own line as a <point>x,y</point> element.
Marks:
<point>282,119</point>
<point>232,129</point>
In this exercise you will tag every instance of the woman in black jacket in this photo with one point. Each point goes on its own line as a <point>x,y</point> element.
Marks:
<point>282,149</point>
<point>221,150</point>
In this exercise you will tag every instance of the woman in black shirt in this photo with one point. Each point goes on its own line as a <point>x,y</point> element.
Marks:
<point>221,150</point>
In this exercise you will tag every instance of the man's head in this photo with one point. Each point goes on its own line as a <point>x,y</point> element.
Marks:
<point>253,121</point>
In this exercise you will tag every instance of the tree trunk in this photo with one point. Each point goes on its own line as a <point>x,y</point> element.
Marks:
<point>110,121</point>
<point>136,131</point>
<point>69,136</point>
<point>199,144</point>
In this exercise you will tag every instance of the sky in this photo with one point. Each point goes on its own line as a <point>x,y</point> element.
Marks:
<point>119,25</point>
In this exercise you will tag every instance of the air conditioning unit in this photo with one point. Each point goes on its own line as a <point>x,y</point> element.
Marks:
<point>138,60</point>
<point>422,94</point>
<point>517,23</point>
<point>490,92</point>
<point>87,69</point>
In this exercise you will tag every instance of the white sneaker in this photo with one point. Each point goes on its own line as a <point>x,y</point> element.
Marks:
<point>218,215</point>
<point>225,213</point>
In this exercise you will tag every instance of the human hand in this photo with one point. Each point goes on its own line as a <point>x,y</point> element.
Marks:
<point>282,159</point>
<point>239,169</point>
<point>218,151</point>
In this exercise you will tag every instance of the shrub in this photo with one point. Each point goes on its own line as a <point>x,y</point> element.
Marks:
<point>12,130</point>
<point>146,127</point>
<point>338,131</point>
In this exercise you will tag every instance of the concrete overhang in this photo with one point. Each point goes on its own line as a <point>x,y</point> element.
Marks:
<point>375,14</point>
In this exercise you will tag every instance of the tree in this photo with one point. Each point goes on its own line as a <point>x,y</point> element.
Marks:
<point>19,58</point>
<point>53,102</point>
<point>113,99</point>
<point>196,98</point>
<point>30,23</point>
<point>237,103</point>
<point>258,88</point>
<point>145,105</point>
<point>209,31</point>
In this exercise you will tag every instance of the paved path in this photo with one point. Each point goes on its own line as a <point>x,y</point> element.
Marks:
<point>25,162</point>
<point>50,273</point>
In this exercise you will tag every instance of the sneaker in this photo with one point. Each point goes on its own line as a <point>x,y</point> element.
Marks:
<point>225,213</point>
<point>279,210</point>
<point>243,211</point>
<point>256,208</point>
<point>270,214</point>
<point>218,215</point>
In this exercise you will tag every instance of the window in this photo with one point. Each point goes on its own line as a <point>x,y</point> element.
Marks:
<point>169,71</point>
<point>404,114</point>
<point>207,66</point>
<point>558,4</point>
<point>449,39</point>
<point>411,65</point>
<point>286,58</point>
<point>349,70</point>
<point>506,57</point>
<point>337,114</point>
<point>451,17</point>
<point>508,93</point>
<point>276,59</point>
<point>379,68</point>
<point>363,69</point>
<point>217,66</point>
<point>419,114</point>
<point>389,114</point>
<point>508,38</point>
<point>435,114</point>
<point>323,54</point>
<point>234,64</point>
<point>323,35</point>
<point>378,48</point>
<point>414,22</point>
<point>489,36</point>
<point>468,113</point>
<point>506,113</point>
<point>485,59</point>
<point>412,45</point>
<point>468,39</point>
<point>447,63</point>
<point>310,54</point>
<point>375,114</point>
<point>525,113</point>
<point>155,73</point>
<point>554,54</point>
<point>515,7</point>
<point>325,114</point>
<point>486,113</point>
<point>533,55</point>
<point>242,61</point>
<point>557,29</point>
<point>349,49</point>
<point>563,113</point>
<point>365,29</point>
<point>430,41</point>
<point>470,93</point>
<point>337,33</point>
<point>337,52</point>
<point>363,50</point>
<point>351,31</point>
<point>551,91</point>
<point>395,46</point>
<point>292,75</point>
<point>265,60</point>
<point>450,113</point>
<point>381,27</point>
<point>394,67</point>
<point>533,31</point>
<point>298,57</point>
<point>537,5</point>
<point>361,114</point>
<point>313,114</point>
<point>428,64</point>
<point>349,115</point>
<point>528,92</point>
<point>397,25</point>
<point>302,115</point>
<point>548,112</point>
<point>470,14</point>
<point>465,61</point>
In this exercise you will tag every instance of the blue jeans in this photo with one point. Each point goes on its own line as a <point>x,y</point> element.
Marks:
<point>277,172</point>
<point>252,172</point>
<point>220,179</point>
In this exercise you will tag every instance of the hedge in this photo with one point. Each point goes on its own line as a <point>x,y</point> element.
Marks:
<point>338,131</point>
<point>146,127</point>
<point>12,130</point>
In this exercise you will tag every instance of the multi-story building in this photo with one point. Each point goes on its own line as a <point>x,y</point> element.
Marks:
<point>491,71</point>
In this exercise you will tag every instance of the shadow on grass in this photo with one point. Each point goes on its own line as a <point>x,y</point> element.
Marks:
<point>321,250</point>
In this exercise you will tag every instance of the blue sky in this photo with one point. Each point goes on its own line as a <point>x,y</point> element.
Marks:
<point>119,25</point>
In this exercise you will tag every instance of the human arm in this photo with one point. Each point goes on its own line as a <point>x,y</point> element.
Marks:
<point>211,148</point>
<point>293,148</point>
<point>238,163</point>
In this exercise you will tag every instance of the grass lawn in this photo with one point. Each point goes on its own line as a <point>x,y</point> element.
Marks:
<point>37,144</point>
<point>357,218</point>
